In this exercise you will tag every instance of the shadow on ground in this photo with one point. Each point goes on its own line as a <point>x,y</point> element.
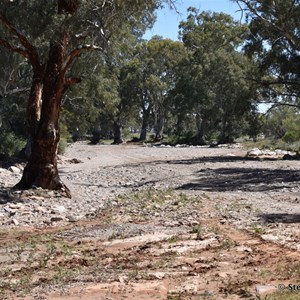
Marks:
<point>281,218</point>
<point>6,196</point>
<point>251,179</point>
<point>243,179</point>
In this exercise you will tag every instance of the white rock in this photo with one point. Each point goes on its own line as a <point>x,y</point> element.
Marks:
<point>59,209</point>
<point>15,222</point>
<point>244,249</point>
<point>254,152</point>
<point>270,237</point>
<point>15,205</point>
<point>262,289</point>
<point>14,169</point>
<point>74,218</point>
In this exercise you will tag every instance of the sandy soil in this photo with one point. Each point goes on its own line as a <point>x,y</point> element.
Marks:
<point>153,223</point>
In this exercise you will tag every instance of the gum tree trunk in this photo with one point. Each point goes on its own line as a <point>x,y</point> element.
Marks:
<point>145,122</point>
<point>159,123</point>
<point>34,107</point>
<point>41,169</point>
<point>44,103</point>
<point>200,130</point>
<point>118,139</point>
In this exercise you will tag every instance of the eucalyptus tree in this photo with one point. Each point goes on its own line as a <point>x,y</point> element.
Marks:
<point>215,80</point>
<point>274,41</point>
<point>50,36</point>
<point>149,77</point>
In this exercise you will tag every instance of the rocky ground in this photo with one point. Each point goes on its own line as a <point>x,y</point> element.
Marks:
<point>154,223</point>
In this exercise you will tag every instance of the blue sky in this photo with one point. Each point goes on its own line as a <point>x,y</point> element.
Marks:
<point>168,20</point>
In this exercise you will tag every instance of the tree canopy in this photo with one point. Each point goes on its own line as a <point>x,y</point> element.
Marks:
<point>274,41</point>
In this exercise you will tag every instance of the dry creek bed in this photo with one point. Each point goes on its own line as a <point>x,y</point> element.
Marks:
<point>153,223</point>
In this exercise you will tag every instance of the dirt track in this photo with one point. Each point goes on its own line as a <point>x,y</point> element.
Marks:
<point>156,223</point>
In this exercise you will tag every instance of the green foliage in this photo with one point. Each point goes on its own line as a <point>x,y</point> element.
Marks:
<point>292,128</point>
<point>212,85</point>
<point>197,90</point>
<point>62,146</point>
<point>283,123</point>
<point>274,42</point>
<point>11,144</point>
<point>148,78</point>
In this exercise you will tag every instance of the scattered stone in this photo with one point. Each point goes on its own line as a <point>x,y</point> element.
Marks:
<point>244,249</point>
<point>157,275</point>
<point>254,152</point>
<point>76,160</point>
<point>194,223</point>
<point>74,218</point>
<point>264,289</point>
<point>15,222</point>
<point>270,237</point>
<point>14,170</point>
<point>123,279</point>
<point>10,211</point>
<point>51,194</point>
<point>56,219</point>
<point>15,205</point>
<point>59,209</point>
<point>291,156</point>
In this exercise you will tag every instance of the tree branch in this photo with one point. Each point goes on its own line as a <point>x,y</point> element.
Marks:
<point>274,105</point>
<point>292,40</point>
<point>32,54</point>
<point>7,45</point>
<point>76,53</point>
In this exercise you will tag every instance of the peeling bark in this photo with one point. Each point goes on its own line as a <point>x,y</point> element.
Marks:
<point>41,169</point>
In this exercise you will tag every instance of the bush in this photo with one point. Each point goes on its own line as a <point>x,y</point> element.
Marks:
<point>10,144</point>
<point>62,146</point>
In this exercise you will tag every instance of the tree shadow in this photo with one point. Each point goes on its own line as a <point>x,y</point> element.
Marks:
<point>6,196</point>
<point>221,159</point>
<point>281,218</point>
<point>243,179</point>
<point>249,179</point>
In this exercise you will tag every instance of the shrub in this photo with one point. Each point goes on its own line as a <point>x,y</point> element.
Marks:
<point>62,146</point>
<point>10,144</point>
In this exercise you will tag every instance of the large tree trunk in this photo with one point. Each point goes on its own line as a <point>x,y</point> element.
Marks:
<point>118,139</point>
<point>41,170</point>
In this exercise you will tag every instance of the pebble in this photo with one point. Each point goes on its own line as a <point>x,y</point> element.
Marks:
<point>15,222</point>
